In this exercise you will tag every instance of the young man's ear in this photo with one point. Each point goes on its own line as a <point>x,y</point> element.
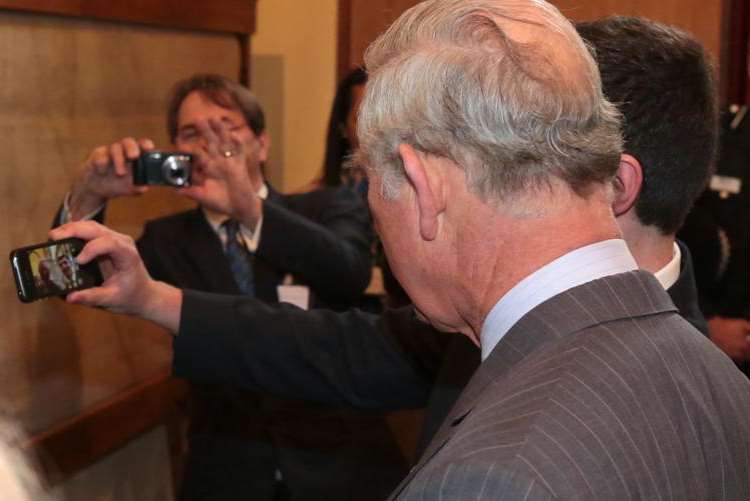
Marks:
<point>628,183</point>
<point>427,202</point>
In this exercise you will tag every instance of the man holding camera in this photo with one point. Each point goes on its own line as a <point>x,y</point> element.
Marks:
<point>244,238</point>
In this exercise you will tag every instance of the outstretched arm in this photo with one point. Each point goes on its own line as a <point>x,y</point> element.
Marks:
<point>354,358</point>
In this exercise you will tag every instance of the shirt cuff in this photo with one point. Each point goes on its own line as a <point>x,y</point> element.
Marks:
<point>65,212</point>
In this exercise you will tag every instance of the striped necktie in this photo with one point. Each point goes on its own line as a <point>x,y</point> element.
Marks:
<point>240,260</point>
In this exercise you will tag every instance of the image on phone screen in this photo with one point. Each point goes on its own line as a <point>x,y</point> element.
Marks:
<point>50,269</point>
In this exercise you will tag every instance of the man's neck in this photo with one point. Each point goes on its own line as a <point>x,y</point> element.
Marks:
<point>651,249</point>
<point>528,245</point>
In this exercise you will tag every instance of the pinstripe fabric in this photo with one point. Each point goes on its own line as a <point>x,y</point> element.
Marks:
<point>602,392</point>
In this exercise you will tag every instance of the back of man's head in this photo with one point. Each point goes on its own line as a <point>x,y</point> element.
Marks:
<point>505,89</point>
<point>221,91</point>
<point>662,81</point>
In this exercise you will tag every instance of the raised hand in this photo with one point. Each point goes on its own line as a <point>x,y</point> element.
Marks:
<point>227,172</point>
<point>106,173</point>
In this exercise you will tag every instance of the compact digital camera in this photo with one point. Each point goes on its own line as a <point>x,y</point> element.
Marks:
<point>163,168</point>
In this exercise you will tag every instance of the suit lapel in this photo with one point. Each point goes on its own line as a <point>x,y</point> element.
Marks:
<point>603,300</point>
<point>203,250</point>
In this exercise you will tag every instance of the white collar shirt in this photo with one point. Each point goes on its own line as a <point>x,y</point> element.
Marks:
<point>251,238</point>
<point>580,266</point>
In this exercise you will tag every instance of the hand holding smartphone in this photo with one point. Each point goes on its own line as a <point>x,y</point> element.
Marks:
<point>50,269</point>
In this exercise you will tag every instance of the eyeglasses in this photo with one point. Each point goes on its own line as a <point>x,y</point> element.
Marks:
<point>190,133</point>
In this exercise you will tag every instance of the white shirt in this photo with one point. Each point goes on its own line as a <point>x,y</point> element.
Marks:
<point>250,237</point>
<point>668,275</point>
<point>575,268</point>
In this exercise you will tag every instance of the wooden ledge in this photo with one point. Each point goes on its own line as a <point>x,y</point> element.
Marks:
<point>79,442</point>
<point>230,16</point>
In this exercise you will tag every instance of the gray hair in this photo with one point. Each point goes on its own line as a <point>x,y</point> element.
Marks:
<point>456,79</point>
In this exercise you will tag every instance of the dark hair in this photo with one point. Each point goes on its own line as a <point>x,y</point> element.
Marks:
<point>338,146</point>
<point>662,81</point>
<point>221,91</point>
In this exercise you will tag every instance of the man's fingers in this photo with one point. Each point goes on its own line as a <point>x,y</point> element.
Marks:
<point>209,136</point>
<point>117,154</point>
<point>87,297</point>
<point>226,140</point>
<point>193,192</point>
<point>130,148</point>
<point>146,144</point>
<point>96,296</point>
<point>100,159</point>
<point>85,230</point>
<point>219,129</point>
<point>100,241</point>
<point>120,249</point>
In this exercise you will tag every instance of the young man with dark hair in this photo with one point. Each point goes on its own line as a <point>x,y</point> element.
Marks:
<point>662,81</point>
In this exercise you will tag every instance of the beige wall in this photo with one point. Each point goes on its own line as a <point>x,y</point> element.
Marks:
<point>293,65</point>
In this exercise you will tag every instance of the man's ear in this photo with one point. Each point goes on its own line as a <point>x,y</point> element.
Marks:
<point>419,177</point>
<point>264,141</point>
<point>628,183</point>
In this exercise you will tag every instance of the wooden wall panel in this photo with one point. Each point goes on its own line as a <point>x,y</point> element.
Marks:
<point>368,18</point>
<point>233,16</point>
<point>702,19</point>
<point>67,85</point>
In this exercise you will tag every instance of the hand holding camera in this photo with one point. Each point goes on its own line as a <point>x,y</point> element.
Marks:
<point>127,287</point>
<point>106,174</point>
<point>125,168</point>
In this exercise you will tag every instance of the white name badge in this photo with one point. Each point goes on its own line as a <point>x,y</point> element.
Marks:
<point>726,184</point>
<point>298,295</point>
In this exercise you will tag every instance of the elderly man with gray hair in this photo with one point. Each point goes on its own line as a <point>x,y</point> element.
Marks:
<point>492,152</point>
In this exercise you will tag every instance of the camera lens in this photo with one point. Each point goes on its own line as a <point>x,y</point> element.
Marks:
<point>176,170</point>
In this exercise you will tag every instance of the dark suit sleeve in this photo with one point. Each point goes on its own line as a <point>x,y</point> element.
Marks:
<point>148,249</point>
<point>330,251</point>
<point>98,217</point>
<point>353,358</point>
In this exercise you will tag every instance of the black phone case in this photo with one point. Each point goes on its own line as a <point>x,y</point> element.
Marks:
<point>22,273</point>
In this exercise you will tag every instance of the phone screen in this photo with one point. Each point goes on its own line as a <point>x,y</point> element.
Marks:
<point>50,269</point>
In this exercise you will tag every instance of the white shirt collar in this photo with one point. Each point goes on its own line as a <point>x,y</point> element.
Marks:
<point>668,275</point>
<point>575,268</point>
<point>251,238</point>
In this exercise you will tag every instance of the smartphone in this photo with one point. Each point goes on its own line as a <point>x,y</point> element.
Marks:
<point>50,269</point>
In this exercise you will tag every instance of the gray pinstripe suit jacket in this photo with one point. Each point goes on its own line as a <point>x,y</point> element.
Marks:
<point>602,392</point>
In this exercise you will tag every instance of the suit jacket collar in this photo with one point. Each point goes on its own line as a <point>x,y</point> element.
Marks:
<point>684,292</point>
<point>626,295</point>
<point>274,196</point>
